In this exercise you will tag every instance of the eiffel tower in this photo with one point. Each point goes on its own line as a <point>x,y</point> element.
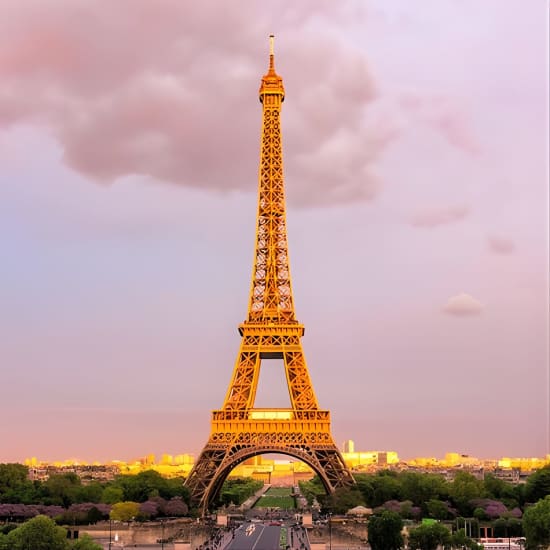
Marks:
<point>239,430</point>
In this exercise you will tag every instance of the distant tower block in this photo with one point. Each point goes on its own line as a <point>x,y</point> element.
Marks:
<point>239,430</point>
<point>348,446</point>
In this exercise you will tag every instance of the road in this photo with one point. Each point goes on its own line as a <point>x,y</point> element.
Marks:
<point>256,536</point>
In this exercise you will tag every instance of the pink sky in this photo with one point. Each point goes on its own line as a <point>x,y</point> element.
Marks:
<point>416,164</point>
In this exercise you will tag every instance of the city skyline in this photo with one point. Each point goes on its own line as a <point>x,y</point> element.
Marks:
<point>183,457</point>
<point>417,220</point>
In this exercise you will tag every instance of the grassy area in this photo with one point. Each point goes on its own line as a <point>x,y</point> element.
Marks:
<point>276,497</point>
<point>282,538</point>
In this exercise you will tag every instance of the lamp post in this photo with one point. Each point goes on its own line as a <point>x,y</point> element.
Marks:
<point>162,533</point>
<point>330,531</point>
<point>110,532</point>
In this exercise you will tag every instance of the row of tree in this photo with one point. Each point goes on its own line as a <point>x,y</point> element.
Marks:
<point>416,495</point>
<point>66,489</point>
<point>512,510</point>
<point>63,496</point>
<point>386,532</point>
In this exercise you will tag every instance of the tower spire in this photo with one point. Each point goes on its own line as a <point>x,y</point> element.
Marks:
<point>272,52</point>
<point>271,293</point>
<point>272,83</point>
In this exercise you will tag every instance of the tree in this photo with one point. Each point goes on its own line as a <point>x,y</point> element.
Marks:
<point>61,489</point>
<point>15,486</point>
<point>536,524</point>
<point>437,509</point>
<point>507,527</point>
<point>429,537</point>
<point>237,490</point>
<point>176,507</point>
<point>464,489</point>
<point>386,486</point>
<point>91,492</point>
<point>423,487</point>
<point>500,490</point>
<point>124,511</point>
<point>143,486</point>
<point>313,488</point>
<point>12,475</point>
<point>538,485</point>
<point>460,540</point>
<point>385,531</point>
<point>39,533</point>
<point>112,495</point>
<point>343,499</point>
<point>85,542</point>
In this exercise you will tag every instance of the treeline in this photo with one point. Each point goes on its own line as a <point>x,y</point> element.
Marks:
<point>143,496</point>
<point>511,510</point>
<point>417,495</point>
<point>65,498</point>
<point>66,489</point>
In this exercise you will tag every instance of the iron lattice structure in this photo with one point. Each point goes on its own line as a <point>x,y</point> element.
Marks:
<point>271,331</point>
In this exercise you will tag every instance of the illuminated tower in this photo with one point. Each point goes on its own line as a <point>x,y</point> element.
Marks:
<point>271,331</point>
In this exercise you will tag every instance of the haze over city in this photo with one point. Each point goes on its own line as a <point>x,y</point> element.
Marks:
<point>415,142</point>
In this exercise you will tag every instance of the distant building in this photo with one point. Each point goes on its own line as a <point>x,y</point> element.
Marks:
<point>348,446</point>
<point>364,459</point>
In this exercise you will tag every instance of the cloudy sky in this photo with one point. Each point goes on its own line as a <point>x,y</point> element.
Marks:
<point>416,163</point>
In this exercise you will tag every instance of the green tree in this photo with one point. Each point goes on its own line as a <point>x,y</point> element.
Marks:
<point>460,540</point>
<point>312,489</point>
<point>437,509</point>
<point>61,489</point>
<point>15,486</point>
<point>91,492</point>
<point>143,486</point>
<point>385,531</point>
<point>538,485</point>
<point>176,488</point>
<point>479,513</point>
<point>112,494</point>
<point>419,488</point>
<point>465,488</point>
<point>500,490</point>
<point>39,533</point>
<point>429,537</point>
<point>386,486</point>
<point>12,475</point>
<point>364,485</point>
<point>237,490</point>
<point>124,511</point>
<point>536,524</point>
<point>507,527</point>
<point>94,515</point>
<point>85,542</point>
<point>343,499</point>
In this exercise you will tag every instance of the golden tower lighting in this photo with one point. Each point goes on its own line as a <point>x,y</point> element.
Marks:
<point>239,430</point>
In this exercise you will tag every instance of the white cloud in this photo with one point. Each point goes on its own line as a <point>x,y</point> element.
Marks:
<point>463,305</point>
